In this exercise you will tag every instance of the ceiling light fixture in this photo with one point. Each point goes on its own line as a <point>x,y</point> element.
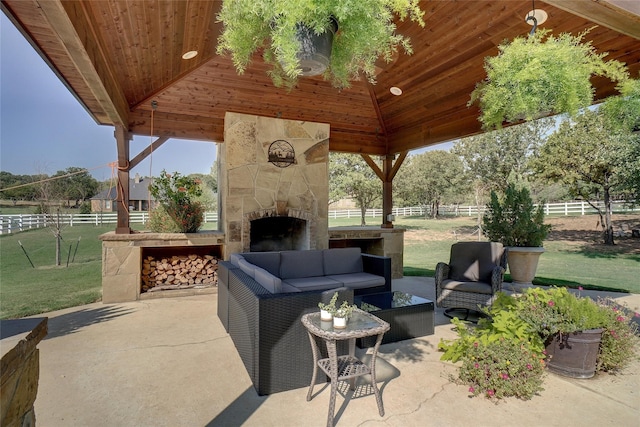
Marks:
<point>190,55</point>
<point>535,17</point>
<point>395,90</point>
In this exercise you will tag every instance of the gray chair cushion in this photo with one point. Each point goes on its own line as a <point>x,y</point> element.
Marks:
<point>342,261</point>
<point>475,287</point>
<point>268,281</point>
<point>297,264</point>
<point>474,261</point>
<point>270,261</point>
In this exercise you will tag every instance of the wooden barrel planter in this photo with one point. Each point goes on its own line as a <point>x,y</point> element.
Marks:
<point>574,355</point>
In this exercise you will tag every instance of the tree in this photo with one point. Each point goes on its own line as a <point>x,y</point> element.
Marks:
<point>585,155</point>
<point>493,159</point>
<point>74,184</point>
<point>16,187</point>
<point>430,179</point>
<point>350,175</point>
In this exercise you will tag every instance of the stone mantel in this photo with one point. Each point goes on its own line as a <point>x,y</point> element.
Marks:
<point>166,239</point>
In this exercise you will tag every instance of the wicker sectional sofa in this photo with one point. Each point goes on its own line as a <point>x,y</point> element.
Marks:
<point>262,315</point>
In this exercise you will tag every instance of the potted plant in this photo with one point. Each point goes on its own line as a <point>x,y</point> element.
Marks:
<point>179,208</point>
<point>581,335</point>
<point>539,75</point>
<point>364,32</point>
<point>342,314</point>
<point>505,355</point>
<point>328,310</point>
<point>516,223</point>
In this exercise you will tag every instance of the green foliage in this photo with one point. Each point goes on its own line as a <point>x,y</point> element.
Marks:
<point>504,355</point>
<point>85,208</point>
<point>594,158</point>
<point>366,32</point>
<point>331,305</point>
<point>620,338</point>
<point>350,175</point>
<point>496,158</point>
<point>176,194</point>
<point>161,222</point>
<point>74,184</point>
<point>498,359</point>
<point>540,75</point>
<point>430,179</point>
<point>514,220</point>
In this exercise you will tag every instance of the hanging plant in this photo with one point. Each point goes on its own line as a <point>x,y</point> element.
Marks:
<point>364,32</point>
<point>539,75</point>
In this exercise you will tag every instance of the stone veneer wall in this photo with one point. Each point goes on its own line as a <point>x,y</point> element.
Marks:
<point>252,187</point>
<point>20,370</point>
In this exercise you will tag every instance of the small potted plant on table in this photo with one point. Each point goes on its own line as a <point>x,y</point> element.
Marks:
<point>342,315</point>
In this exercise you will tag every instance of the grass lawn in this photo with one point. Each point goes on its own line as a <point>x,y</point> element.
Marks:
<point>571,259</point>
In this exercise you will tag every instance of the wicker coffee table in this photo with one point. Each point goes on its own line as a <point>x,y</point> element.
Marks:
<point>348,367</point>
<point>410,316</point>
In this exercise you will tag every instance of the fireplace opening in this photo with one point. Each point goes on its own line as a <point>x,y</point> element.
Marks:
<point>278,233</point>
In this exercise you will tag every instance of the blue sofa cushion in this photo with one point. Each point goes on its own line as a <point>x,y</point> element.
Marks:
<point>298,264</point>
<point>342,261</point>
<point>246,266</point>
<point>268,281</point>
<point>358,280</point>
<point>313,283</point>
<point>270,261</point>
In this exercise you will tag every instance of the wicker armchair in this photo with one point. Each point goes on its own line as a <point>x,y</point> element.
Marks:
<point>472,277</point>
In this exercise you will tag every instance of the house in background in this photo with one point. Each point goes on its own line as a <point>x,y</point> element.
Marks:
<point>139,197</point>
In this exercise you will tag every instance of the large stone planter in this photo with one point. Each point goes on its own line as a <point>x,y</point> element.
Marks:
<point>574,355</point>
<point>523,262</point>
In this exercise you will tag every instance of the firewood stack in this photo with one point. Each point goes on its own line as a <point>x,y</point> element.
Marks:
<point>178,272</point>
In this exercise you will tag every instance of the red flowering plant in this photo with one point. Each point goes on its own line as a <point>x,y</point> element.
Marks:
<point>499,357</point>
<point>176,195</point>
<point>504,355</point>
<point>557,311</point>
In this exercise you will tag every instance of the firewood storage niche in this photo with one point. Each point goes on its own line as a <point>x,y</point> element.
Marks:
<point>179,267</point>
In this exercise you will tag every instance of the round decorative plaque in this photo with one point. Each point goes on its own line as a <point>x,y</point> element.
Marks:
<point>281,153</point>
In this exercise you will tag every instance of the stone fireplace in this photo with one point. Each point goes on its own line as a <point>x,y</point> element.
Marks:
<point>274,184</point>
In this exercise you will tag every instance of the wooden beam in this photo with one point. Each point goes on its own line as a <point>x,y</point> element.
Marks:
<point>123,139</point>
<point>620,16</point>
<point>70,22</point>
<point>147,151</point>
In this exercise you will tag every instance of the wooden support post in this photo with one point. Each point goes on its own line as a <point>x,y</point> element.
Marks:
<point>123,140</point>
<point>386,175</point>
<point>387,191</point>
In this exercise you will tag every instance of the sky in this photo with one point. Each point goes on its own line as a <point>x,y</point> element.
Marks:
<point>44,129</point>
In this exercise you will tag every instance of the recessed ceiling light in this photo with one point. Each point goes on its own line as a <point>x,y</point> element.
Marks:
<point>395,90</point>
<point>189,55</point>
<point>540,15</point>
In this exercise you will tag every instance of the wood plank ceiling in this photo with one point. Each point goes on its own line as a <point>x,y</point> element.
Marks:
<point>117,56</point>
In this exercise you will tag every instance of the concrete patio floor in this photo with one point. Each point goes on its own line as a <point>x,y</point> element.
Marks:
<point>169,362</point>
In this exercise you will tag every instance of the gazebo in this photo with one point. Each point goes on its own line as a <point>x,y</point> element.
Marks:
<point>123,61</point>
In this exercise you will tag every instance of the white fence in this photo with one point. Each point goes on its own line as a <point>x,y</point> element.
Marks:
<point>16,223</point>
